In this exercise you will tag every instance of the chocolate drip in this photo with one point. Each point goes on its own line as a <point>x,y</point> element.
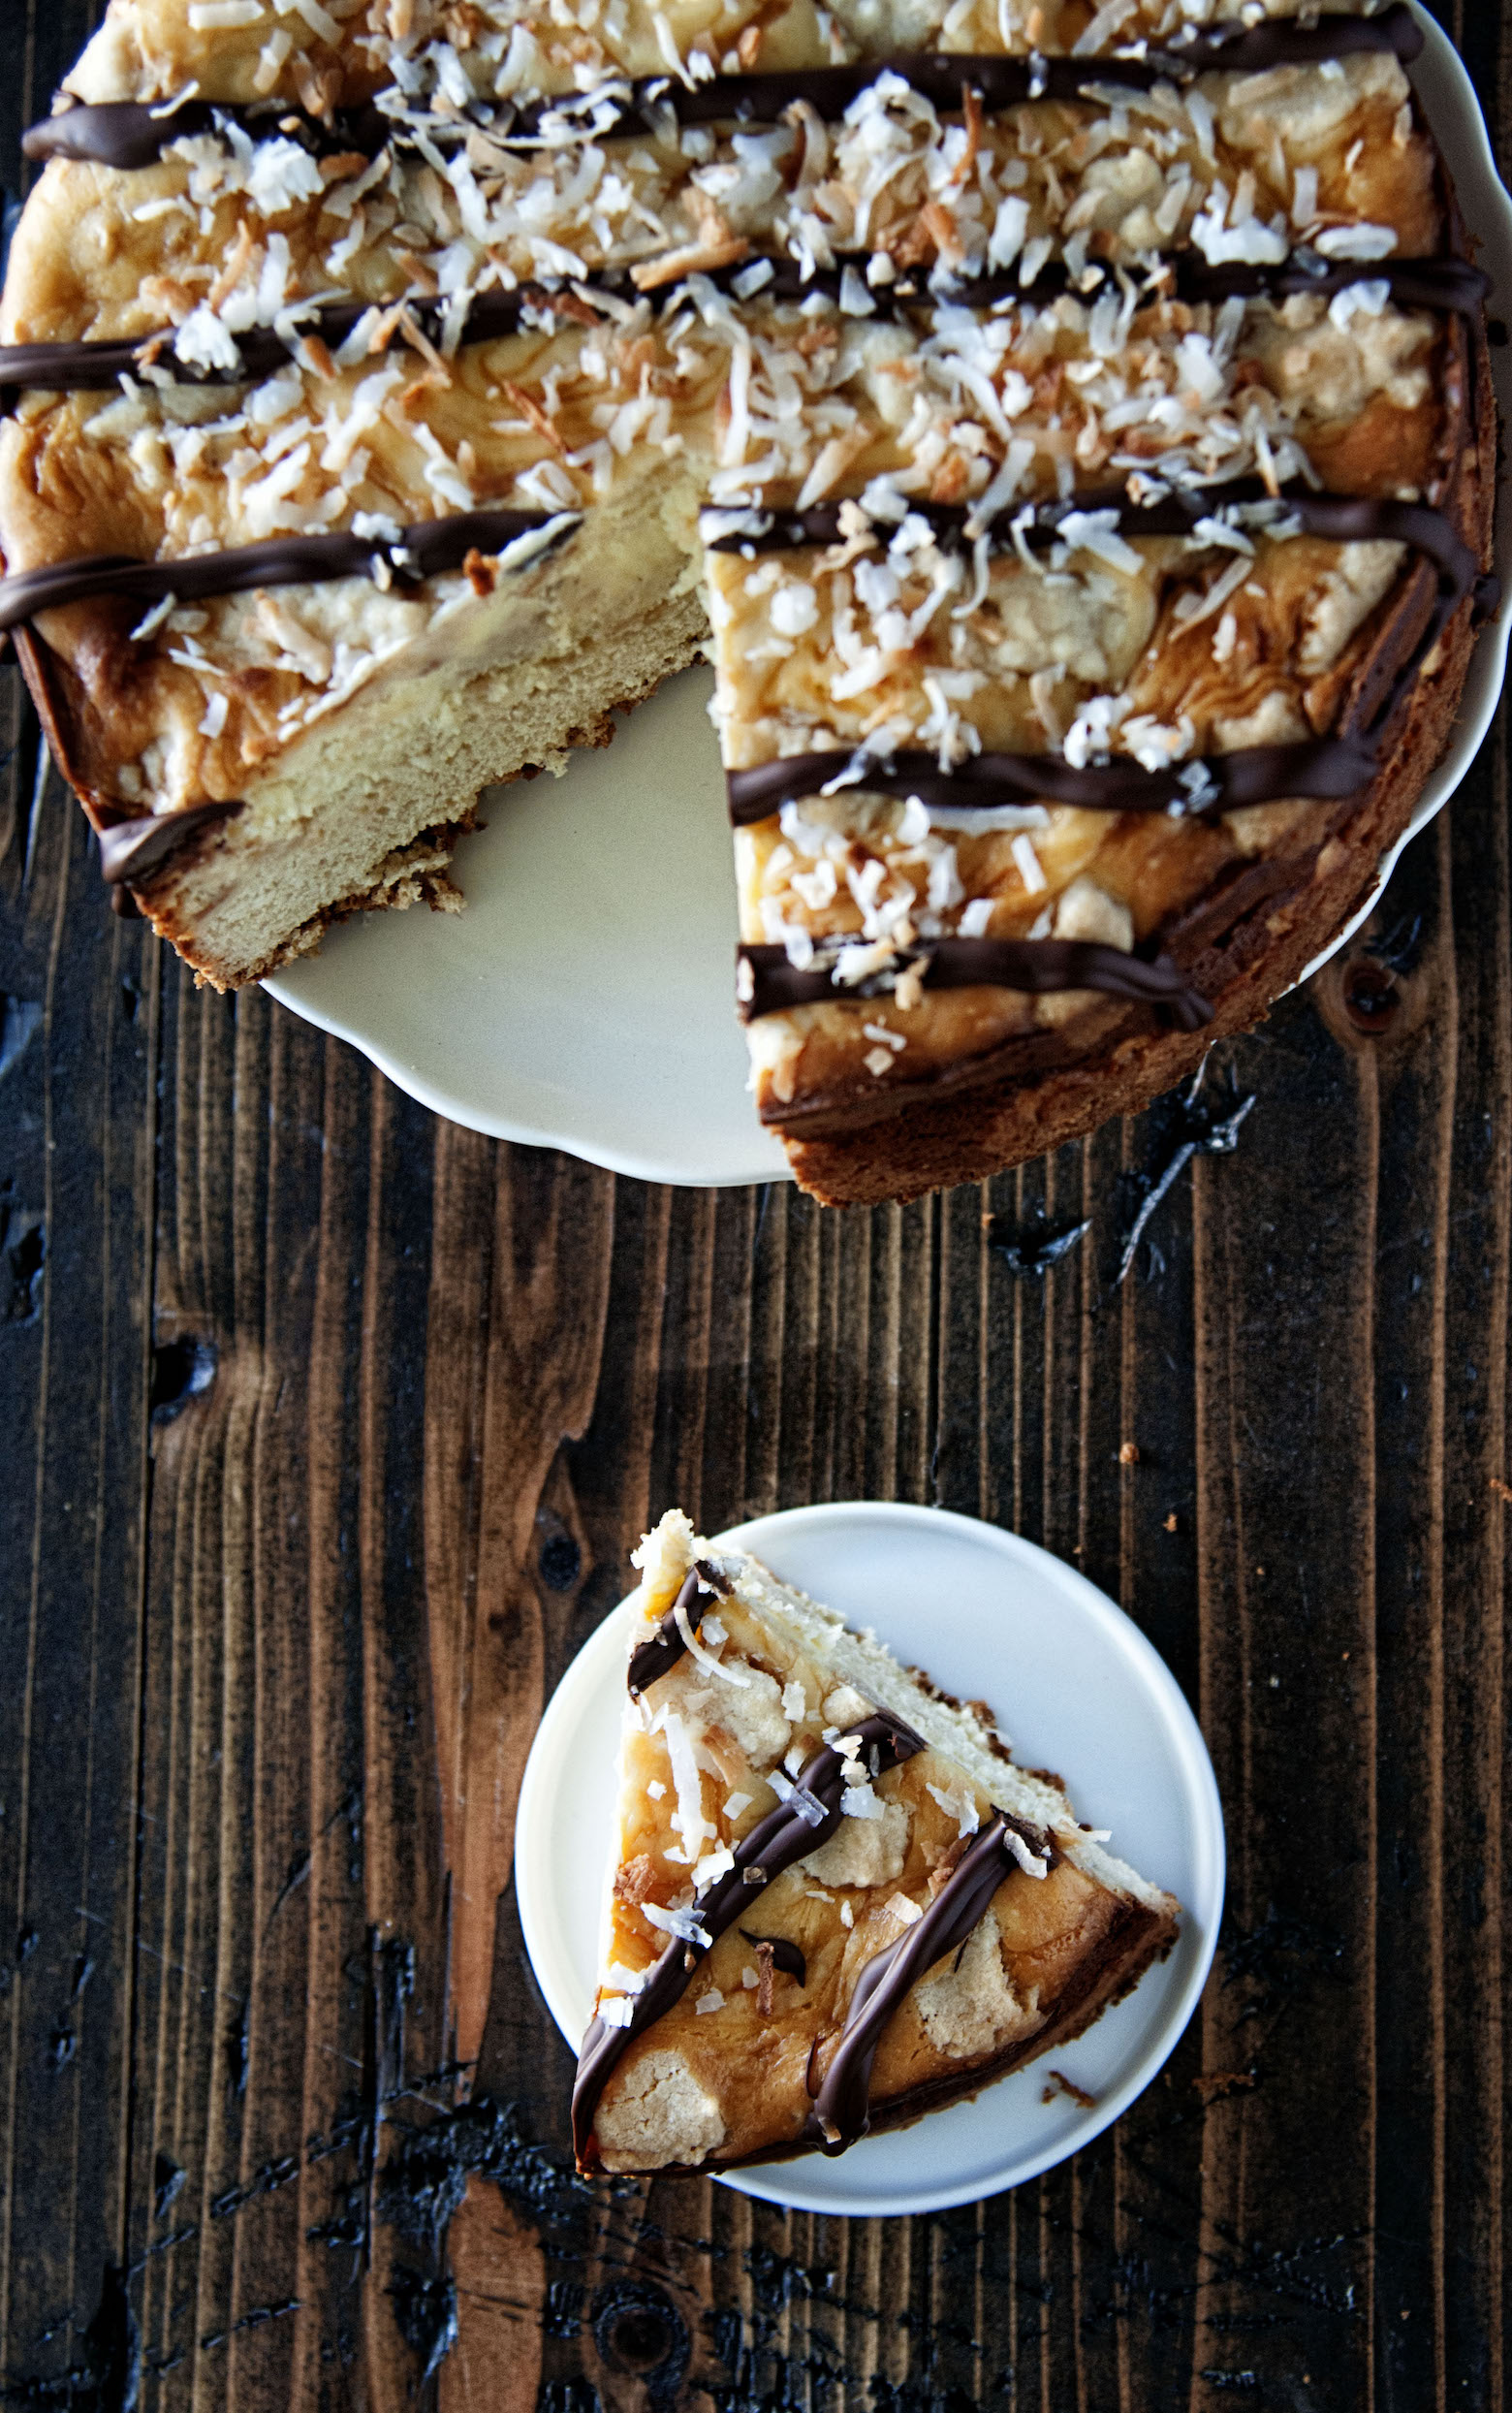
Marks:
<point>841,2112</point>
<point>133,850</point>
<point>785,1955</point>
<point>423,551</point>
<point>1038,967</point>
<point>1252,774</point>
<point>786,1834</point>
<point>1432,284</point>
<point>125,134</point>
<point>663,1649</point>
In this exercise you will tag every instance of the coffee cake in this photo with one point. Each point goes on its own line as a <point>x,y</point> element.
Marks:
<point>1070,426</point>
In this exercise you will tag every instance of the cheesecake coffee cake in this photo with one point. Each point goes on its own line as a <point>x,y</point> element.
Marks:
<point>832,1901</point>
<point>1069,427</point>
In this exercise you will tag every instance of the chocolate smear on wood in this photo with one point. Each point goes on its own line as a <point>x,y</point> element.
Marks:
<point>1197,1130</point>
<point>237,2050</point>
<point>426,2310</point>
<point>109,2380</point>
<point>19,1018</point>
<point>1031,1248</point>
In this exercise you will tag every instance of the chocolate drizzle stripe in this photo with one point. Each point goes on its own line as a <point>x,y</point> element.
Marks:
<point>126,134</point>
<point>133,850</point>
<point>1444,284</point>
<point>133,134</point>
<point>768,984</point>
<point>842,2108</point>
<point>423,551</point>
<point>774,1843</point>
<point>1175,512</point>
<point>664,1648</point>
<point>431,547</point>
<point>1252,774</point>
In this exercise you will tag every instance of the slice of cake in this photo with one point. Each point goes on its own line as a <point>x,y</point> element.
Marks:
<point>1089,408</point>
<point>834,1901</point>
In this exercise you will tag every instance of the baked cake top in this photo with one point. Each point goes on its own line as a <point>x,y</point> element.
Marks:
<point>1078,402</point>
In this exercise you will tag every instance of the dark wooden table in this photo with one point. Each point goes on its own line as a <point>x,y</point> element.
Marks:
<point>326,1430</point>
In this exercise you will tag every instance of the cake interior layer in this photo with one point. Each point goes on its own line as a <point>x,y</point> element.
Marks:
<point>535,668</point>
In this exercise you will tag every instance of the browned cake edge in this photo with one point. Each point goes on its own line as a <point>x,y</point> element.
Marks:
<point>1242,946</point>
<point>1139,1937</point>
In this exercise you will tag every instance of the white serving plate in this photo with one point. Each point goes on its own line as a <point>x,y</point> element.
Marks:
<point>1080,1690</point>
<point>584,999</point>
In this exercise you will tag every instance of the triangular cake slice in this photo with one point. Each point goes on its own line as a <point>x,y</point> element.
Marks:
<point>834,1901</point>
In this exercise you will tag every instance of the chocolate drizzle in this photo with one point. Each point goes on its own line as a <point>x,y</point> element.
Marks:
<point>423,551</point>
<point>126,134</point>
<point>842,2111</point>
<point>1252,774</point>
<point>664,1648</point>
<point>768,984</point>
<point>133,134</point>
<point>1431,284</point>
<point>798,1825</point>
<point>91,366</point>
<point>1170,511</point>
<point>133,850</point>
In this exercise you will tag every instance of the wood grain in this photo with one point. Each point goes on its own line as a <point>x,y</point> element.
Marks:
<point>329,1429</point>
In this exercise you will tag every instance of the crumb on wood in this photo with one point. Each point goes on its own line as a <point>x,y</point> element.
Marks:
<point>1503,1491</point>
<point>1171,1522</point>
<point>1128,1453</point>
<point>1213,2086</point>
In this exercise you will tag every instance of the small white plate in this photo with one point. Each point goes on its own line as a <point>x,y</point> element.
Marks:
<point>1080,1690</point>
<point>585,1001</point>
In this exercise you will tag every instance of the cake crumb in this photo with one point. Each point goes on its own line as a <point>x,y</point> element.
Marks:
<point>1060,2085</point>
<point>1213,2086</point>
